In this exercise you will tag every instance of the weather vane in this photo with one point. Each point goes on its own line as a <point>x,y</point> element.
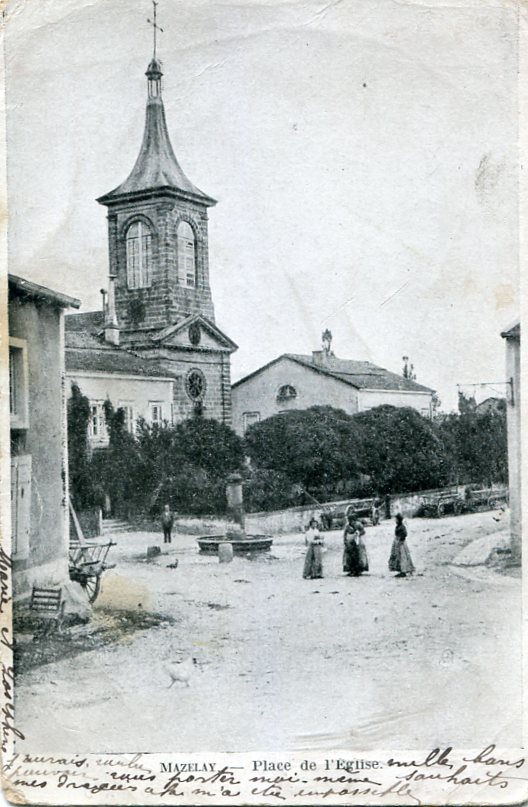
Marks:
<point>155,26</point>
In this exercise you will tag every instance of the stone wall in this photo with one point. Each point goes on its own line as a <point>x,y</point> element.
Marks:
<point>167,298</point>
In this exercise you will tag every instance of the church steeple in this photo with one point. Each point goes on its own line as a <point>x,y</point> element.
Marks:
<point>157,228</point>
<point>156,166</point>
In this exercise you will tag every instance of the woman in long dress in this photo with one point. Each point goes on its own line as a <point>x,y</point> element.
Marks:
<point>400,558</point>
<point>355,558</point>
<point>313,561</point>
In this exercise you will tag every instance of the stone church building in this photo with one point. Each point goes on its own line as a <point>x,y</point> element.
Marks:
<point>154,348</point>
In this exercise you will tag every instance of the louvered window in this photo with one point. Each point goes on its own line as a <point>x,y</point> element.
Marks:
<point>139,256</point>
<point>186,255</point>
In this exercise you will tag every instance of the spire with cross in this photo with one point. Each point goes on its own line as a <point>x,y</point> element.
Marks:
<point>155,26</point>
<point>154,73</point>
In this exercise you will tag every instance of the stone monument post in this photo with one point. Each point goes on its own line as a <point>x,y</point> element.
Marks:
<point>235,501</point>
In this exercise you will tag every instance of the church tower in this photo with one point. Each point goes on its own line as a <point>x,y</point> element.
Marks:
<point>157,235</point>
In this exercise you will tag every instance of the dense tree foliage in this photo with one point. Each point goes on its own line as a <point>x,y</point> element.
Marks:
<point>477,445</point>
<point>311,446</point>
<point>400,450</point>
<point>319,452</point>
<point>395,449</point>
<point>186,465</point>
<point>82,487</point>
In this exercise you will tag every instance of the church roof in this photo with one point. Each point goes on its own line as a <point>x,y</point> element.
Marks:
<point>358,374</point>
<point>156,167</point>
<point>111,360</point>
<point>86,351</point>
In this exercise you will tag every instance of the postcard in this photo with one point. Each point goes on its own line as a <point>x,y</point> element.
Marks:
<point>261,491</point>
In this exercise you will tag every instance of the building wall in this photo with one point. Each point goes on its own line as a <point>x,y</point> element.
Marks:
<point>259,394</point>
<point>45,441</point>
<point>120,389</point>
<point>513,372</point>
<point>215,367</point>
<point>421,401</point>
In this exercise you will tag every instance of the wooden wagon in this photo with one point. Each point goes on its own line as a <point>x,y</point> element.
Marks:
<point>334,517</point>
<point>87,560</point>
<point>436,505</point>
<point>485,499</point>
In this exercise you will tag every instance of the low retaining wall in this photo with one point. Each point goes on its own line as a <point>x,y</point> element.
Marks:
<point>295,519</point>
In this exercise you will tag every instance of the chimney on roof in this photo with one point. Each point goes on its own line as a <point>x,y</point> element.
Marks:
<point>326,356</point>
<point>111,327</point>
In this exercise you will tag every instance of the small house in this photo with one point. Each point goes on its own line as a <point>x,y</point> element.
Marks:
<point>39,467</point>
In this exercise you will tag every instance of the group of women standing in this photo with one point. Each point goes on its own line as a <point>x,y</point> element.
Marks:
<point>355,558</point>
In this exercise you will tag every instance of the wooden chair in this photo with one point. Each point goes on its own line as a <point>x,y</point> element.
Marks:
<point>48,605</point>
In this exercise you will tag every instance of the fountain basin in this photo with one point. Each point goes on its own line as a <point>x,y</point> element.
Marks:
<point>241,544</point>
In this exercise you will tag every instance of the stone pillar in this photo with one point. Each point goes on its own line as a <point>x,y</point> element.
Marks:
<point>235,500</point>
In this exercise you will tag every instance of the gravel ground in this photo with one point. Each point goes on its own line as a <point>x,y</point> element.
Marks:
<point>288,663</point>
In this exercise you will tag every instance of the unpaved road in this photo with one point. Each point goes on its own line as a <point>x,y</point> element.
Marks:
<point>291,663</point>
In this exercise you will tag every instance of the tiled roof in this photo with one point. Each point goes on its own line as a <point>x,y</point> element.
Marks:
<point>88,352</point>
<point>358,374</point>
<point>362,374</point>
<point>20,287</point>
<point>86,321</point>
<point>112,361</point>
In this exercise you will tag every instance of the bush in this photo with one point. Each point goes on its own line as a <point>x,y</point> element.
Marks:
<point>312,447</point>
<point>267,490</point>
<point>400,450</point>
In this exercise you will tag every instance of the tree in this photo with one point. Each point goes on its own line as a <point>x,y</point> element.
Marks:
<point>115,466</point>
<point>466,403</point>
<point>400,450</point>
<point>477,443</point>
<point>186,465</point>
<point>313,447</point>
<point>82,489</point>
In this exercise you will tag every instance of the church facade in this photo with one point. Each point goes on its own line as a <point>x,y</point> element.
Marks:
<point>154,347</point>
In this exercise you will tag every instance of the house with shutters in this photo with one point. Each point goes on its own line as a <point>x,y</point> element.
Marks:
<point>154,348</point>
<point>37,411</point>
<point>299,381</point>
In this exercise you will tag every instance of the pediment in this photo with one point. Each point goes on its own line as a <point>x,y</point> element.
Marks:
<point>195,332</point>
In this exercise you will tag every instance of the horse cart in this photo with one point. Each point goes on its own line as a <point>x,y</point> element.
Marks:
<point>335,517</point>
<point>437,505</point>
<point>486,499</point>
<point>87,560</point>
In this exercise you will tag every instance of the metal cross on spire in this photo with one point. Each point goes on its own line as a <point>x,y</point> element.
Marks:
<point>155,26</point>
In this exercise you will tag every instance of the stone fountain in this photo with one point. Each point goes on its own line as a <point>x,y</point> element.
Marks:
<point>235,534</point>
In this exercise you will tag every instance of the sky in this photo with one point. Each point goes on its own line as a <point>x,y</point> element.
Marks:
<point>363,154</point>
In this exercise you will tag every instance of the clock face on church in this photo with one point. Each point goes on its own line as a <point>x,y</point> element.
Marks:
<point>195,385</point>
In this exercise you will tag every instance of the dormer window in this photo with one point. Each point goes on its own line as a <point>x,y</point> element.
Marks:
<point>186,255</point>
<point>139,255</point>
<point>286,393</point>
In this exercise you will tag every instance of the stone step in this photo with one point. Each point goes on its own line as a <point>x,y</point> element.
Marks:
<point>115,525</point>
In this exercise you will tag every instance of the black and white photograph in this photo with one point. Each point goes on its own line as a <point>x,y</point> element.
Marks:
<point>261,353</point>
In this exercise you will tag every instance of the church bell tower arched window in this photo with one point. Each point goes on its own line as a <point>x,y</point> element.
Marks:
<point>186,255</point>
<point>139,255</point>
